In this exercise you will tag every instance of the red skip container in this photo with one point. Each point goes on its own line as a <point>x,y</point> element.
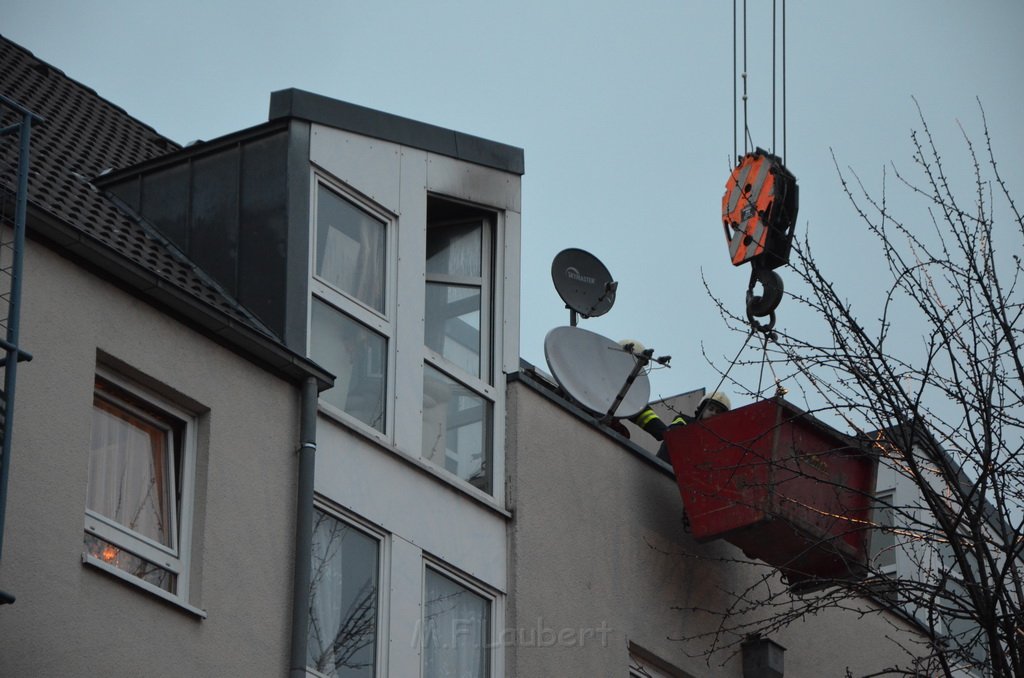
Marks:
<point>781,485</point>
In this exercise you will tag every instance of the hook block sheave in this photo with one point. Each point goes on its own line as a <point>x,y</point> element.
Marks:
<point>759,211</point>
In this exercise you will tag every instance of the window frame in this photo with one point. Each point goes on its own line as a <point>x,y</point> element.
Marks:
<point>177,557</point>
<point>402,325</point>
<point>645,664</point>
<point>337,300</point>
<point>484,385</point>
<point>486,285</point>
<point>495,657</point>
<point>884,500</point>
<point>383,540</point>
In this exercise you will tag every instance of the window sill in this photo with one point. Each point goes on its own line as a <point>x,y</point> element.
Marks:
<point>452,482</point>
<point>145,586</point>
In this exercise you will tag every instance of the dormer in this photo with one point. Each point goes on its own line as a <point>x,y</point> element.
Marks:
<point>385,248</point>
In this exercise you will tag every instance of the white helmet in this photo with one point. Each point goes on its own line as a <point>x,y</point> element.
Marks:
<point>715,397</point>
<point>638,348</point>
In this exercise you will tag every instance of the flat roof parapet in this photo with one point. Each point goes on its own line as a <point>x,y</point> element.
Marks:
<point>296,103</point>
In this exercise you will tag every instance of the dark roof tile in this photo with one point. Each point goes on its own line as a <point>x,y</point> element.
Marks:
<point>83,135</point>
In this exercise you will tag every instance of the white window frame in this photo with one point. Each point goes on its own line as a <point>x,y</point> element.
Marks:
<point>176,558</point>
<point>484,383</point>
<point>886,499</point>
<point>402,324</point>
<point>495,607</point>
<point>344,304</point>
<point>645,664</point>
<point>383,540</point>
<point>490,339</point>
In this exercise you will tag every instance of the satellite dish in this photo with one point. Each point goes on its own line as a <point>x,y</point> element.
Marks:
<point>583,282</point>
<point>594,370</point>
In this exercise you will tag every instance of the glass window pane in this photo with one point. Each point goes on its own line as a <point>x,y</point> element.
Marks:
<point>130,563</point>
<point>456,428</point>
<point>883,541</point>
<point>342,600</point>
<point>129,472</point>
<point>456,630</point>
<point>453,324</point>
<point>454,249</point>
<point>350,249</point>
<point>357,356</point>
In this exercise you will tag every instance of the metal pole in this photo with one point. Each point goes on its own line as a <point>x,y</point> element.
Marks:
<point>11,367</point>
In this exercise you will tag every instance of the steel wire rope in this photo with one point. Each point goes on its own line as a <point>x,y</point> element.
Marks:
<point>735,106</point>
<point>785,136</point>
<point>746,123</point>
<point>732,364</point>
<point>768,336</point>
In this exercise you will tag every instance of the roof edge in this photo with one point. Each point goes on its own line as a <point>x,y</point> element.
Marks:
<point>246,341</point>
<point>316,108</point>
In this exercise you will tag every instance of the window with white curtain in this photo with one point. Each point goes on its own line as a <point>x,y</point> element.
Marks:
<point>456,629</point>
<point>351,324</point>
<point>138,512</point>
<point>343,600</point>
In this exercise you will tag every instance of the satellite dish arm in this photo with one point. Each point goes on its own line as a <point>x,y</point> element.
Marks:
<point>609,291</point>
<point>642,360</point>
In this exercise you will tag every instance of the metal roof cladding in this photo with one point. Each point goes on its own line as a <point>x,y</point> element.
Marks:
<point>84,135</point>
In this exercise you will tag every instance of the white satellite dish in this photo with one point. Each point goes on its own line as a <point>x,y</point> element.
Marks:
<point>593,370</point>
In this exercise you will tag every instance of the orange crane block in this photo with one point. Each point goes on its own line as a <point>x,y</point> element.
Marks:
<point>759,210</point>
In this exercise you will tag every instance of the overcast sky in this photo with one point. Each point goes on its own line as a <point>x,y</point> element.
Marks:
<point>624,110</point>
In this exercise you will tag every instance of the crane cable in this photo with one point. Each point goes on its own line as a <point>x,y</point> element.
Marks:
<point>767,336</point>
<point>744,77</point>
<point>765,329</point>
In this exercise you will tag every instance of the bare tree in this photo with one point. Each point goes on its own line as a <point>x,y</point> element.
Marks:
<point>935,386</point>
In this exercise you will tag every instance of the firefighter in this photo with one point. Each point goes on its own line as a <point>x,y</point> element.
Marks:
<point>712,404</point>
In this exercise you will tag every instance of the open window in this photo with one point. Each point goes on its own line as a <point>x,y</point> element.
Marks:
<point>458,381</point>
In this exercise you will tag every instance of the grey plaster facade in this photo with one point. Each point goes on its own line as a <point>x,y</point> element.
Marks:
<point>600,563</point>
<point>73,619</point>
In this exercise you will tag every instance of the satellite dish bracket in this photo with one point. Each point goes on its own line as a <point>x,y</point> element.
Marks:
<point>642,360</point>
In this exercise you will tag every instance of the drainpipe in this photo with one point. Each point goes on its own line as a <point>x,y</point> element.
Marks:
<point>303,528</point>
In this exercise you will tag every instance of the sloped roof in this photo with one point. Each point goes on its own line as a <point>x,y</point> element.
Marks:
<point>83,135</point>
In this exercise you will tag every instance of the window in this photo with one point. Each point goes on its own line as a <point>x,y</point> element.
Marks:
<point>456,629</point>
<point>138,512</point>
<point>644,664</point>
<point>458,393</point>
<point>416,352</point>
<point>343,600</point>
<point>883,539</point>
<point>350,321</point>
